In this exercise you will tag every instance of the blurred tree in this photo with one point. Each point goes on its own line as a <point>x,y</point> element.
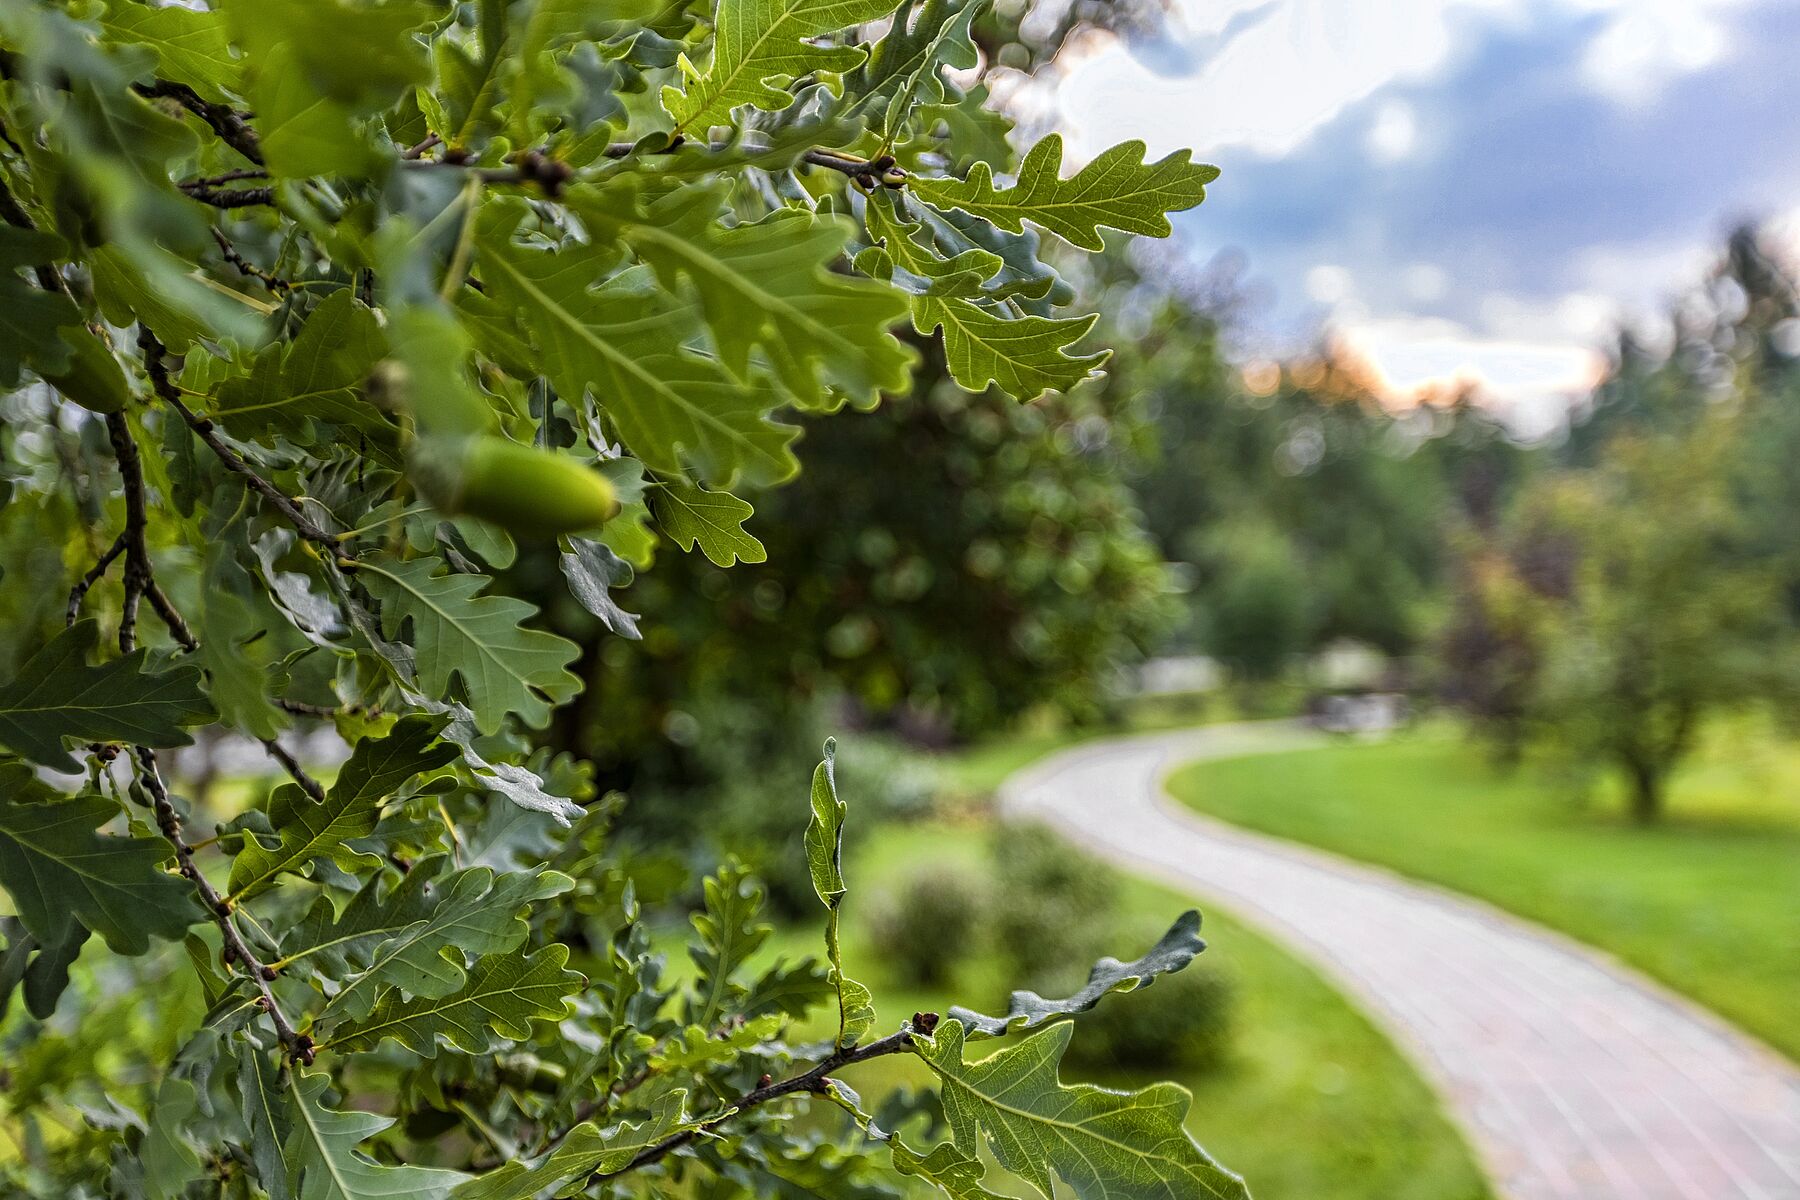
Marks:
<point>1667,618</point>
<point>1259,611</point>
<point>1356,491</point>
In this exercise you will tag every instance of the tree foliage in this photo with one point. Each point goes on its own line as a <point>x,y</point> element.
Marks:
<point>1648,582</point>
<point>312,314</point>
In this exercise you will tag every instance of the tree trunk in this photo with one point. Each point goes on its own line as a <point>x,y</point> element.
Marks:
<point>1646,790</point>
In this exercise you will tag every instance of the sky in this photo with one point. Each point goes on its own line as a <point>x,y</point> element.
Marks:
<point>1471,190</point>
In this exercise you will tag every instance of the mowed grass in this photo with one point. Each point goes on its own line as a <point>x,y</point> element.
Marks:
<point>1313,1103</point>
<point>1708,902</point>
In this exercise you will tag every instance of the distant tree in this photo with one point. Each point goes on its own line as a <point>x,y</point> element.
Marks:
<point>1258,600</point>
<point>1663,620</point>
<point>1310,450</point>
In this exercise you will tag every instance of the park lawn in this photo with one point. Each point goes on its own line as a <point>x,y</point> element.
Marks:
<point>1708,901</point>
<point>1314,1102</point>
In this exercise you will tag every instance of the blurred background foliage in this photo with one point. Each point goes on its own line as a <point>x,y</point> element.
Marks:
<point>949,567</point>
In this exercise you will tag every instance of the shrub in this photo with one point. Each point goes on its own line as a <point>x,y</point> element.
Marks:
<point>1054,907</point>
<point>930,925</point>
<point>1183,1020</point>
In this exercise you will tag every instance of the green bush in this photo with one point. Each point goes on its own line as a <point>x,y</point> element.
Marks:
<point>1185,1019</point>
<point>930,926</point>
<point>1053,912</point>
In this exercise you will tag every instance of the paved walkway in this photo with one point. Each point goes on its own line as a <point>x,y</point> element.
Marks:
<point>1574,1078</point>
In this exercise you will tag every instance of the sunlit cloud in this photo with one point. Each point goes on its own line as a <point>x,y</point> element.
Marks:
<point>1531,383</point>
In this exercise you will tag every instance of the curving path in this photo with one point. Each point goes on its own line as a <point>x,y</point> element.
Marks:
<point>1574,1077</point>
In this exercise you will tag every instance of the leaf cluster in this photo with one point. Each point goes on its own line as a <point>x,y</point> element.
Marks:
<point>316,316</point>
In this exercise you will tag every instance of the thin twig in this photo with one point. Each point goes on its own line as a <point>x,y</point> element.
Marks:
<point>231,125</point>
<point>815,1079</point>
<point>156,363</point>
<point>413,152</point>
<point>300,708</point>
<point>80,590</point>
<point>298,1046</point>
<point>140,580</point>
<point>292,766</point>
<point>137,552</point>
<point>228,197</point>
<point>247,268</point>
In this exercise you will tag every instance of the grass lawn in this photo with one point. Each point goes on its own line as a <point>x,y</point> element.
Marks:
<point>1708,902</point>
<point>1314,1102</point>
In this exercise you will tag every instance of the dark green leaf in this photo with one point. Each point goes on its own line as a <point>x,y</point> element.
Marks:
<point>322,1145</point>
<point>714,520</point>
<point>758,48</point>
<point>625,342</point>
<point>505,668</point>
<point>307,829</point>
<point>60,872</point>
<point>504,994</point>
<point>58,696</point>
<point>587,1150</point>
<point>825,862</point>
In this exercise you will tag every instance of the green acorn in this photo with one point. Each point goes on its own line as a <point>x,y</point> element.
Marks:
<point>525,490</point>
<point>93,378</point>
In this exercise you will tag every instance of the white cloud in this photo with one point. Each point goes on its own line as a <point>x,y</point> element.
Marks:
<point>1280,70</point>
<point>1394,132</point>
<point>1271,73</point>
<point>1531,382</point>
<point>1647,44</point>
<point>1329,284</point>
<point>1425,282</point>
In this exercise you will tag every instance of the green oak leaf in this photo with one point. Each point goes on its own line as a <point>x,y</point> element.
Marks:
<point>308,94</point>
<point>1105,1145</point>
<point>307,829</point>
<point>61,874</point>
<point>697,1047</point>
<point>905,69</point>
<point>191,47</point>
<point>57,695</point>
<point>592,570</point>
<point>626,342</point>
<point>242,665</point>
<point>504,994</point>
<point>269,1118</point>
<point>759,47</point>
<point>316,377</point>
<point>30,316</point>
<point>169,1160</point>
<point>714,520</point>
<point>946,1168</point>
<point>414,938</point>
<point>766,285</point>
<point>1028,1010</point>
<point>792,988</point>
<point>810,1170</point>
<point>505,668</point>
<point>322,1146</point>
<point>825,862</point>
<point>728,933</point>
<point>589,1149</point>
<point>125,295</point>
<point>1026,356</point>
<point>1117,190</point>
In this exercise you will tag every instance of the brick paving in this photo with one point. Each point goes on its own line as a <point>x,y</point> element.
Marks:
<point>1573,1077</point>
